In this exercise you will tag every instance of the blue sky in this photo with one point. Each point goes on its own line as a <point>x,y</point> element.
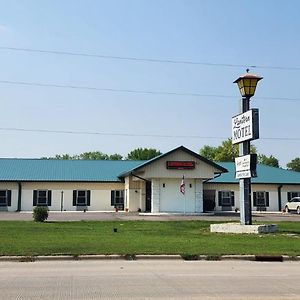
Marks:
<point>240,33</point>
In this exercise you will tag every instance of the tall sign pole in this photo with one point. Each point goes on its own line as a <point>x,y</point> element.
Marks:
<point>245,183</point>
<point>244,129</point>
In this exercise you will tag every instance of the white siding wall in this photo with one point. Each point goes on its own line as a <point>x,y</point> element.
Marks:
<point>134,199</point>
<point>272,189</point>
<point>100,195</point>
<point>199,195</point>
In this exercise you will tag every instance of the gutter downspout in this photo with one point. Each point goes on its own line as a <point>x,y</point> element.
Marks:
<point>279,197</point>
<point>19,196</point>
<point>218,175</point>
<point>138,177</point>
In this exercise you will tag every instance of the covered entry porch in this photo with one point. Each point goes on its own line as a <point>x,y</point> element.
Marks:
<point>154,186</point>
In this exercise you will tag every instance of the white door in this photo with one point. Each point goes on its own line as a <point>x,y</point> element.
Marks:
<point>172,200</point>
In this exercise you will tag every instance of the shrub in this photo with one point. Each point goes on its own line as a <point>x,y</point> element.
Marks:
<point>40,214</point>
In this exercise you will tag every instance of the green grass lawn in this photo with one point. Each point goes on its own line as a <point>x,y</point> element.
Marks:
<point>140,237</point>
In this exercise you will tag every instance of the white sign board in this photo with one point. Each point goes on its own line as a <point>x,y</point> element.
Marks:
<point>245,126</point>
<point>243,163</point>
<point>243,174</point>
<point>245,166</point>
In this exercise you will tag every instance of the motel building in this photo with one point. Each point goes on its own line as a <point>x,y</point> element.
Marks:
<point>151,186</point>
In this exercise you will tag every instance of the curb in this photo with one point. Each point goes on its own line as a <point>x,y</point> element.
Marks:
<point>258,258</point>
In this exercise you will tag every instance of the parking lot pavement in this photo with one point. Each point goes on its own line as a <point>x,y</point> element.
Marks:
<point>113,216</point>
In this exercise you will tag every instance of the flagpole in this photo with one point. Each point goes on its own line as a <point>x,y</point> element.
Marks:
<point>182,191</point>
<point>184,203</point>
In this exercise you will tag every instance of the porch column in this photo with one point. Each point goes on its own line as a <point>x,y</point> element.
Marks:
<point>199,196</point>
<point>155,200</point>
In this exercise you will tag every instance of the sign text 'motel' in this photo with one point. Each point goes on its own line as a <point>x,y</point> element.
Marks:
<point>245,126</point>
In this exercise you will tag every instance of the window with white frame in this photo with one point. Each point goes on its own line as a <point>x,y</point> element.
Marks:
<point>117,199</point>
<point>81,197</point>
<point>226,198</point>
<point>291,195</point>
<point>5,197</point>
<point>261,198</point>
<point>42,198</point>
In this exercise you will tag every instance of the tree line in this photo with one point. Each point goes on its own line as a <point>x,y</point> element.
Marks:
<point>136,154</point>
<point>225,152</point>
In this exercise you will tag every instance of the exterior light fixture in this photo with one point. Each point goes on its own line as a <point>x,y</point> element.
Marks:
<point>247,84</point>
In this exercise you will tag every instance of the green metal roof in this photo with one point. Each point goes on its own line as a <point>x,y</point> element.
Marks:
<point>64,170</point>
<point>265,174</point>
<point>112,170</point>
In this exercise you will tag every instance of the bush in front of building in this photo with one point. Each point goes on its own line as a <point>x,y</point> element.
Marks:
<point>40,214</point>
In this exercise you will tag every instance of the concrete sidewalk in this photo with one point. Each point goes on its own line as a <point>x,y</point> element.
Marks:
<point>113,216</point>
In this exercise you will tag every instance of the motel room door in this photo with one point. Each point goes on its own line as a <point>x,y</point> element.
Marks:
<point>209,197</point>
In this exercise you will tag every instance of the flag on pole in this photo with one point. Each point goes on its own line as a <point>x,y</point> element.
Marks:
<point>182,186</point>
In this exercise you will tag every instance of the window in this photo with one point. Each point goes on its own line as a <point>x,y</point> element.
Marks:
<point>117,199</point>
<point>81,198</point>
<point>261,199</point>
<point>226,198</point>
<point>42,198</point>
<point>291,195</point>
<point>5,198</point>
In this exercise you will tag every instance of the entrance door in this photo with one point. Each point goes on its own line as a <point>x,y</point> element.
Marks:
<point>209,197</point>
<point>148,196</point>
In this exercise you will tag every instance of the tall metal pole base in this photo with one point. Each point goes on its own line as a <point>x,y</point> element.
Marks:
<point>245,202</point>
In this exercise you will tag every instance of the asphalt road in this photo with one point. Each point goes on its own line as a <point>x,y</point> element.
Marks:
<point>78,216</point>
<point>149,279</point>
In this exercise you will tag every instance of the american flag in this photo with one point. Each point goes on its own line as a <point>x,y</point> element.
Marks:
<point>182,186</point>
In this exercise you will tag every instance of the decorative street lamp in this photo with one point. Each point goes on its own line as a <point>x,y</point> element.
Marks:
<point>247,86</point>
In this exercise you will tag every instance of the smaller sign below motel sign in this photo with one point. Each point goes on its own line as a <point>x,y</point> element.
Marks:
<point>181,165</point>
<point>245,126</point>
<point>245,166</point>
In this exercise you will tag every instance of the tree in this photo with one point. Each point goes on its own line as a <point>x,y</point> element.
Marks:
<point>62,156</point>
<point>208,152</point>
<point>115,157</point>
<point>269,161</point>
<point>294,164</point>
<point>143,154</point>
<point>225,152</point>
<point>92,155</point>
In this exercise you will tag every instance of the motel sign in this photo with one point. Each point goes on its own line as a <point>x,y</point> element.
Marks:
<point>245,126</point>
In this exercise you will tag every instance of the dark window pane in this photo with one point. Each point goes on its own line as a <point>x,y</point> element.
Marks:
<point>81,193</point>
<point>3,201</point>
<point>42,197</point>
<point>81,200</point>
<point>42,194</point>
<point>226,198</point>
